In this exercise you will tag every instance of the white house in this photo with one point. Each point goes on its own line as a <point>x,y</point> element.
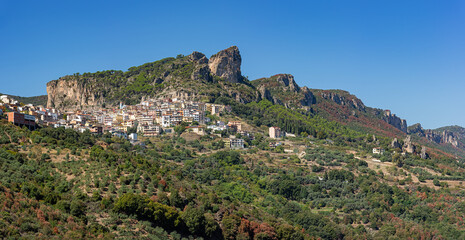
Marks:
<point>378,150</point>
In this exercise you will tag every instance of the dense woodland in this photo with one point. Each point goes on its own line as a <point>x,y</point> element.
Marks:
<point>57,183</point>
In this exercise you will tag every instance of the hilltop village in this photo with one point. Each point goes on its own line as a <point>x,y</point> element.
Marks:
<point>150,118</point>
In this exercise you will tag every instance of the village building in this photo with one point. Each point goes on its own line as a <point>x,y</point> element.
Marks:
<point>236,143</point>
<point>21,119</point>
<point>275,132</point>
<point>378,150</point>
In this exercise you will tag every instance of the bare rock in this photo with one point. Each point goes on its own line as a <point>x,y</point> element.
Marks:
<point>395,143</point>
<point>227,64</point>
<point>395,121</point>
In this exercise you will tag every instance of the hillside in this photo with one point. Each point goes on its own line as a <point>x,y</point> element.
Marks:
<point>184,77</point>
<point>59,183</point>
<point>195,77</point>
<point>35,100</point>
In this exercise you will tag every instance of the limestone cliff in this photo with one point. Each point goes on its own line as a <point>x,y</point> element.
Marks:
<point>227,64</point>
<point>343,100</point>
<point>72,94</point>
<point>437,136</point>
<point>282,89</point>
<point>190,77</point>
<point>395,121</point>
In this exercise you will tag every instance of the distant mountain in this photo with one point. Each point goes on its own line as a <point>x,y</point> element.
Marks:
<point>35,100</point>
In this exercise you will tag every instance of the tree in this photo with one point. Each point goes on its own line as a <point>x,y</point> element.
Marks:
<point>195,220</point>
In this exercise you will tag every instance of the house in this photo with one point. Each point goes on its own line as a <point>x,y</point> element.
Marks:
<point>166,120</point>
<point>96,129</point>
<point>236,143</point>
<point>378,150</point>
<point>120,134</point>
<point>274,144</point>
<point>149,130</point>
<point>197,129</point>
<point>21,119</point>
<point>133,136</point>
<point>275,132</point>
<point>236,125</point>
<point>4,99</point>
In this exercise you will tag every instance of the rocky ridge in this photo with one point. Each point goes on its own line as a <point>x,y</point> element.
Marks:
<point>282,89</point>
<point>195,77</point>
<point>395,121</point>
<point>437,136</point>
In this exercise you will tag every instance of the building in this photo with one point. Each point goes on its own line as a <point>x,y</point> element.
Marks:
<point>378,150</point>
<point>21,119</point>
<point>197,129</point>
<point>236,125</point>
<point>96,130</point>
<point>133,136</point>
<point>149,130</point>
<point>275,132</point>
<point>236,143</point>
<point>166,120</point>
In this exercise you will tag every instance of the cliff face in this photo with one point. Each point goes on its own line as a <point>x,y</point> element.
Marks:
<point>282,89</point>
<point>72,94</point>
<point>190,77</point>
<point>227,64</point>
<point>437,136</point>
<point>343,100</point>
<point>395,121</point>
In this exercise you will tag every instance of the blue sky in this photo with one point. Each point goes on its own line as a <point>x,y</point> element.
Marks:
<point>406,56</point>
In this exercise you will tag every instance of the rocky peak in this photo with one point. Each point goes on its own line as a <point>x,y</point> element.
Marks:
<point>395,121</point>
<point>416,129</point>
<point>227,64</point>
<point>201,69</point>
<point>282,89</point>
<point>287,80</point>
<point>198,57</point>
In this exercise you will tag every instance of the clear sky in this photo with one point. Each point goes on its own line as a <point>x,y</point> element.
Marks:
<point>406,56</point>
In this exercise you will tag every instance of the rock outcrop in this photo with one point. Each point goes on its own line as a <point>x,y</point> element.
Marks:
<point>395,121</point>
<point>72,94</point>
<point>190,76</point>
<point>343,100</point>
<point>408,145</point>
<point>395,143</point>
<point>443,136</point>
<point>227,64</point>
<point>423,153</point>
<point>282,89</point>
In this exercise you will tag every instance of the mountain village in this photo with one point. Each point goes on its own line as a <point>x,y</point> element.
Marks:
<point>150,118</point>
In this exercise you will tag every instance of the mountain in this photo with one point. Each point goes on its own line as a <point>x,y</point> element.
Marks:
<point>343,107</point>
<point>185,77</point>
<point>283,90</point>
<point>324,181</point>
<point>195,77</point>
<point>35,100</point>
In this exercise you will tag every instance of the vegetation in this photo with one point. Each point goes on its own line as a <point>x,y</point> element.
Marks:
<point>57,182</point>
<point>36,100</point>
